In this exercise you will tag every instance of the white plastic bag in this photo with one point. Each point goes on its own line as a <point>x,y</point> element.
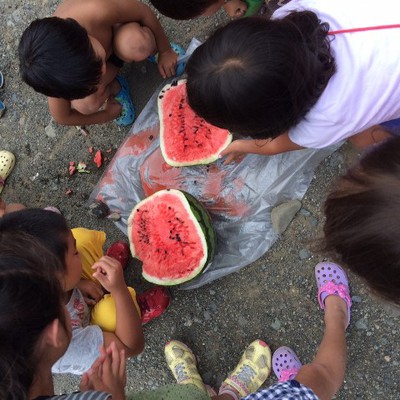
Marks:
<point>239,196</point>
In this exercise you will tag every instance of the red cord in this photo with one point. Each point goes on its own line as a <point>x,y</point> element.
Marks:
<point>367,28</point>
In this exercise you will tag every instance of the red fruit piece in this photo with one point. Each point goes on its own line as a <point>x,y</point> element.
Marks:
<point>68,192</point>
<point>91,149</point>
<point>71,167</point>
<point>98,159</point>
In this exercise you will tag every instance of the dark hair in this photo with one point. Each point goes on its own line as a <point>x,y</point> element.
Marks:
<point>182,9</point>
<point>260,77</point>
<point>30,299</point>
<point>362,228</point>
<point>49,227</point>
<point>57,59</point>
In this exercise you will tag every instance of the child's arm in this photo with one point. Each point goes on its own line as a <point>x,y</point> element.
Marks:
<point>268,147</point>
<point>128,333</point>
<point>64,114</point>
<point>135,11</point>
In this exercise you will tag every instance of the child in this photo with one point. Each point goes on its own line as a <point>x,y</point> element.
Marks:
<point>114,318</point>
<point>362,224</point>
<point>35,329</point>
<point>74,57</point>
<point>307,84</point>
<point>319,380</point>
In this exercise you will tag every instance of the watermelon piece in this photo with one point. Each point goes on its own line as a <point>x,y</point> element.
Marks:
<point>185,138</point>
<point>172,234</point>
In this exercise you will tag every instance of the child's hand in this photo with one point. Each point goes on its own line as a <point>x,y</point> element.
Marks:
<point>108,271</point>
<point>233,152</point>
<point>92,292</point>
<point>112,108</point>
<point>107,374</point>
<point>167,63</point>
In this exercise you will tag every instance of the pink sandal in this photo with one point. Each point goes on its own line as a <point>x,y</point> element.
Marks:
<point>332,280</point>
<point>285,364</point>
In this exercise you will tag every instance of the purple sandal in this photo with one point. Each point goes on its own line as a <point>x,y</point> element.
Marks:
<point>285,364</point>
<point>331,279</point>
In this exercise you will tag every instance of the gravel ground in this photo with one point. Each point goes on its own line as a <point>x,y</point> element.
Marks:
<point>273,299</point>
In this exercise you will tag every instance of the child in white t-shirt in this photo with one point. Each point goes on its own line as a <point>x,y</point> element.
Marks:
<point>307,81</point>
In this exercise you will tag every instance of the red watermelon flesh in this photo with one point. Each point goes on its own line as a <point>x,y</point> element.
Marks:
<point>185,138</point>
<point>166,235</point>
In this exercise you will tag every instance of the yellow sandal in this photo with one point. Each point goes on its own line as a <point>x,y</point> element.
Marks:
<point>182,362</point>
<point>7,162</point>
<point>252,370</point>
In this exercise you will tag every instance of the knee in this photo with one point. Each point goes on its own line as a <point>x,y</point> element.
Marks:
<point>133,42</point>
<point>88,105</point>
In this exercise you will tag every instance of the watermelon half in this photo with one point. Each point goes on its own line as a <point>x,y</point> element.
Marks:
<point>185,138</point>
<point>172,234</point>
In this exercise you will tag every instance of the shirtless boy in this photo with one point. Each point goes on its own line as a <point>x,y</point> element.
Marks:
<point>74,57</point>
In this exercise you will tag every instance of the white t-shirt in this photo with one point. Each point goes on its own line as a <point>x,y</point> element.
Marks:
<point>86,339</point>
<point>365,90</point>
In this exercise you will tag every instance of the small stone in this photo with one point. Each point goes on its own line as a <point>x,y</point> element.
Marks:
<point>276,324</point>
<point>361,325</point>
<point>305,212</point>
<point>304,254</point>
<point>282,215</point>
<point>50,131</point>
<point>207,315</point>
<point>387,358</point>
<point>314,221</point>
<point>114,216</point>
<point>356,299</point>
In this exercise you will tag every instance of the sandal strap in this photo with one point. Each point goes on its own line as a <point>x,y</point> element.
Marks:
<point>330,288</point>
<point>288,374</point>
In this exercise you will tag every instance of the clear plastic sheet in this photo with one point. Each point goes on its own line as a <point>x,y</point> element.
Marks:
<point>239,196</point>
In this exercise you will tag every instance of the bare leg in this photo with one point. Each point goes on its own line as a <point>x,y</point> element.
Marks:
<point>326,373</point>
<point>373,135</point>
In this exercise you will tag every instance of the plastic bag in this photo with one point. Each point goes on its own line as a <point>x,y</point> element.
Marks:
<point>239,196</point>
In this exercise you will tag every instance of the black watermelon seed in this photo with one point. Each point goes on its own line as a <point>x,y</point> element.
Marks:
<point>151,137</point>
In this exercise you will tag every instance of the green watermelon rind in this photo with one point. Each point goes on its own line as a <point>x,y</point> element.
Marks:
<point>168,160</point>
<point>203,217</point>
<point>206,234</point>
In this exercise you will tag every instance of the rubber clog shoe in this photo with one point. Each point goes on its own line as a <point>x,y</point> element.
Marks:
<point>182,363</point>
<point>153,303</point>
<point>7,163</point>
<point>123,97</point>
<point>120,251</point>
<point>252,371</point>
<point>332,280</point>
<point>285,364</point>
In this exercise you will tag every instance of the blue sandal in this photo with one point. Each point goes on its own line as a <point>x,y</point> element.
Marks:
<point>180,67</point>
<point>2,108</point>
<point>123,97</point>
